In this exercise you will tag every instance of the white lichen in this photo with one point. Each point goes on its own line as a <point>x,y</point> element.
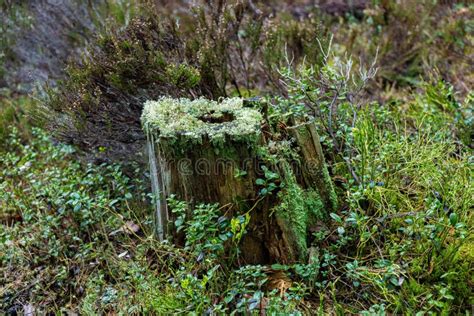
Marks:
<point>194,119</point>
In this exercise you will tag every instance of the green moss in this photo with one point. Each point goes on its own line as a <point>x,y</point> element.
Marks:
<point>193,120</point>
<point>466,252</point>
<point>298,209</point>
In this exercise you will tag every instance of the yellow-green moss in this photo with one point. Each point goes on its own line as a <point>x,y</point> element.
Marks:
<point>298,209</point>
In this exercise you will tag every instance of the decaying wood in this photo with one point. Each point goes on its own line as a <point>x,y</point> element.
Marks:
<point>204,172</point>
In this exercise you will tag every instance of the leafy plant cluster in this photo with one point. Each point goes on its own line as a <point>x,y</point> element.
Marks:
<point>400,212</point>
<point>59,220</point>
<point>78,237</point>
<point>406,222</point>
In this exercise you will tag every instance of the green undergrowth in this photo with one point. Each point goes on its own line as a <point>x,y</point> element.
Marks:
<point>13,112</point>
<point>410,220</point>
<point>57,218</point>
<point>78,237</point>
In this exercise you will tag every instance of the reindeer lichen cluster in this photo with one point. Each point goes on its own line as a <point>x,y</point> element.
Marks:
<point>195,119</point>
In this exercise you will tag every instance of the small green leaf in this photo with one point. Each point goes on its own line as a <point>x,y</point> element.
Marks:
<point>278,266</point>
<point>453,218</point>
<point>77,207</point>
<point>336,217</point>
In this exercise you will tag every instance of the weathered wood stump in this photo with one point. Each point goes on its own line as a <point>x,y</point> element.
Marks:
<point>197,148</point>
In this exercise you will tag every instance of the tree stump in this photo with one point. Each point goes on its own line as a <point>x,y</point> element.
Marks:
<point>205,151</point>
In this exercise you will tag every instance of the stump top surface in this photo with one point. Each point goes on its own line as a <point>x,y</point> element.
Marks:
<point>194,119</point>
